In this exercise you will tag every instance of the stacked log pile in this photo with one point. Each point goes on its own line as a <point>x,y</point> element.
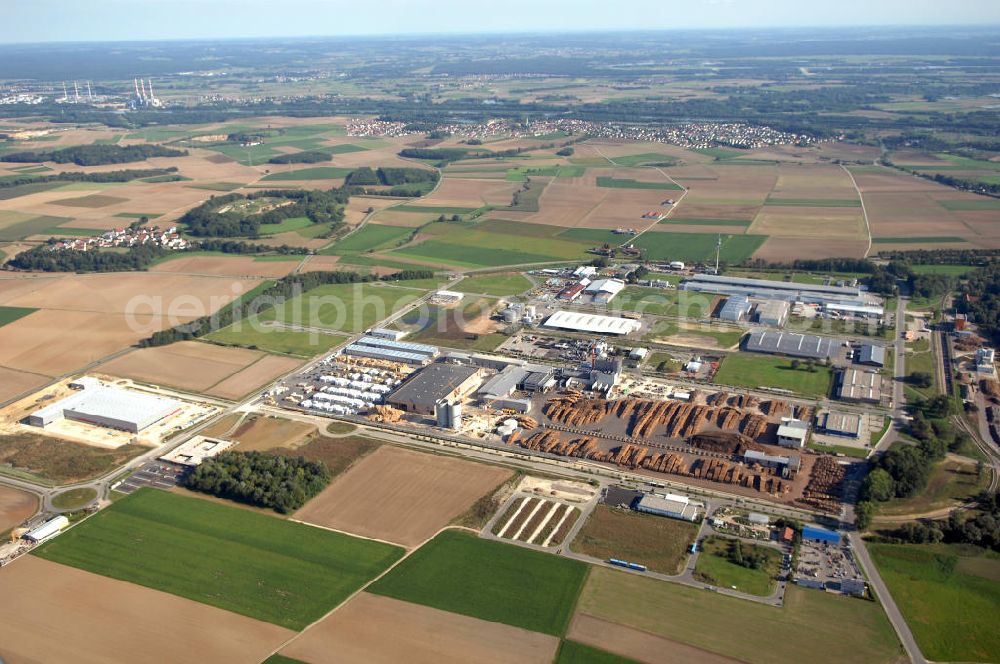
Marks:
<point>825,485</point>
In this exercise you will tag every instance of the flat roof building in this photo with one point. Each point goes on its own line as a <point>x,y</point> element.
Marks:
<point>196,450</point>
<point>433,384</point>
<point>790,344</point>
<point>860,386</point>
<point>383,333</point>
<point>582,322</point>
<point>773,290</point>
<point>670,505</point>
<point>109,407</point>
<point>857,310</point>
<point>842,424</point>
<point>47,530</point>
<point>604,290</point>
<point>773,313</point>
<point>817,534</point>
<point>793,433</point>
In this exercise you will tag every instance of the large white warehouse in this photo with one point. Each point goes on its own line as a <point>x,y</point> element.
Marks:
<point>108,407</point>
<point>580,322</point>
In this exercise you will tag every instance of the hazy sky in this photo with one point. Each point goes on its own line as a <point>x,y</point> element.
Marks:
<point>99,20</point>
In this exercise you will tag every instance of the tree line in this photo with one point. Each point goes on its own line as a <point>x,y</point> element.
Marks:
<point>108,176</point>
<point>402,182</point>
<point>304,157</point>
<point>981,300</point>
<point>265,299</point>
<point>282,483</point>
<point>981,528</point>
<point>95,155</point>
<point>320,207</point>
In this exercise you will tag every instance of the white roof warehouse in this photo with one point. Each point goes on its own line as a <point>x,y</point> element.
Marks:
<point>580,322</point>
<point>109,407</point>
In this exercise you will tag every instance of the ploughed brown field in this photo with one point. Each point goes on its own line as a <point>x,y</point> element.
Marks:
<point>15,507</point>
<point>187,365</point>
<point>55,613</point>
<point>258,374</point>
<point>14,383</point>
<point>371,629</point>
<point>636,644</point>
<point>401,496</point>
<point>229,266</point>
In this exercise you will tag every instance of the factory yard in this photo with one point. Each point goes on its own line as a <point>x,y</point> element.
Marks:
<point>401,496</point>
<point>99,618</point>
<point>420,634</point>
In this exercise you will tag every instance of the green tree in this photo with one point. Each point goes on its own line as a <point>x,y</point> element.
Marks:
<point>879,485</point>
<point>864,512</point>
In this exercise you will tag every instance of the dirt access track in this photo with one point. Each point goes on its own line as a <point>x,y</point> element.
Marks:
<point>379,630</point>
<point>401,496</point>
<point>56,613</point>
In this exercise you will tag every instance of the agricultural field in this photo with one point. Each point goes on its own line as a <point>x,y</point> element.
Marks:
<point>536,521</point>
<point>752,371</point>
<point>662,244</point>
<point>344,307</point>
<point>15,507</point>
<point>401,496</point>
<point>948,595</point>
<point>500,284</point>
<point>54,461</point>
<point>257,433</point>
<point>852,629</point>
<point>467,326</point>
<point>275,339</point>
<point>316,173</point>
<point>657,542</point>
<point>10,314</point>
<point>273,570</point>
<point>338,453</point>
<point>228,265</point>
<point>371,237</point>
<point>100,618</point>
<point>602,638</point>
<point>357,633</point>
<point>503,583</point>
<point>715,568</point>
<point>201,367</point>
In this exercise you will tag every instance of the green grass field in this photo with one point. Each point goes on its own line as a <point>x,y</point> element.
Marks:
<point>276,340</point>
<point>370,237</point>
<point>522,173</point>
<point>813,202</point>
<point>10,314</point>
<point>489,244</point>
<point>949,270</point>
<point>571,652</point>
<point>32,226</point>
<point>458,572</point>
<point>658,542</point>
<point>595,236</point>
<point>627,183</point>
<point>752,371</point>
<point>217,186</point>
<point>290,224</point>
<point>718,153</point>
<point>633,160</point>
<point>274,570</point>
<point>706,222</point>
<point>315,173</point>
<point>949,596</point>
<point>346,307</point>
<point>694,247</point>
<point>434,209</point>
<point>656,301</point>
<point>495,284</point>
<point>715,568</point>
<point>981,204</point>
<point>842,629</point>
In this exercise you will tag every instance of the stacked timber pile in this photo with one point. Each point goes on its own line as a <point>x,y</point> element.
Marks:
<point>718,399</point>
<point>804,413</point>
<point>825,485</point>
<point>728,419</point>
<point>991,389</point>
<point>669,462</point>
<point>724,442</point>
<point>753,426</point>
<point>572,411</point>
<point>776,408</point>
<point>381,413</point>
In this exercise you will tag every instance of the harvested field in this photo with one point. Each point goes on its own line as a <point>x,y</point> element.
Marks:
<point>188,365</point>
<point>100,618</point>
<point>401,496</point>
<point>228,266</point>
<point>420,635</point>
<point>92,201</point>
<point>778,249</point>
<point>15,507</point>
<point>338,453</point>
<point>816,223</point>
<point>638,645</point>
<point>260,373</point>
<point>261,433</point>
<point>469,193</point>
<point>658,542</point>
<point>14,383</point>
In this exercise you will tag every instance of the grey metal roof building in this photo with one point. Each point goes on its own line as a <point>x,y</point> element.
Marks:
<point>843,424</point>
<point>109,407</point>
<point>504,383</point>
<point>376,353</point>
<point>860,385</point>
<point>436,382</point>
<point>735,309</point>
<point>773,290</point>
<point>677,507</point>
<point>772,312</point>
<point>793,345</point>
<point>402,346</point>
<point>871,355</point>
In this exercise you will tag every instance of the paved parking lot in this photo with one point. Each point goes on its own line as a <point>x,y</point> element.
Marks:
<point>828,564</point>
<point>157,474</point>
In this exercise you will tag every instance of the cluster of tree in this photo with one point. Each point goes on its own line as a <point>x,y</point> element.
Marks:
<point>943,256</point>
<point>402,182</point>
<point>253,136</point>
<point>304,157</point>
<point>566,152</point>
<point>861,265</point>
<point>282,483</point>
<point>95,155</point>
<point>440,154</point>
<point>982,301</point>
<point>281,290</point>
<point>107,176</point>
<point>238,247</point>
<point>43,259</point>
<point>320,207</point>
<point>884,279</point>
<point>903,470</point>
<point>964,184</point>
<point>750,557</point>
<point>979,529</point>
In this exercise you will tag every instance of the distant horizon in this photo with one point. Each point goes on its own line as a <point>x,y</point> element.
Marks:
<point>518,33</point>
<point>136,21</point>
